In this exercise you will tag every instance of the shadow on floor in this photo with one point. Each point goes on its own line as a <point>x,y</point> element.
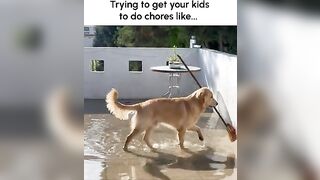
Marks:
<point>205,160</point>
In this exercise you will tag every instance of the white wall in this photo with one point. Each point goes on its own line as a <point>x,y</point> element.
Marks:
<point>147,84</point>
<point>88,41</point>
<point>219,72</point>
<point>91,31</point>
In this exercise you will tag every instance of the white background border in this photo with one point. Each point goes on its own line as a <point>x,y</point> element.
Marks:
<point>220,12</point>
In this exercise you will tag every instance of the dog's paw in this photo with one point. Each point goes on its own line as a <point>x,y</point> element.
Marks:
<point>154,149</point>
<point>182,147</point>
<point>125,148</point>
<point>201,138</point>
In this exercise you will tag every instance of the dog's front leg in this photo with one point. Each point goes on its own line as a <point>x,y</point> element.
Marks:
<point>181,133</point>
<point>130,137</point>
<point>146,137</point>
<point>197,129</point>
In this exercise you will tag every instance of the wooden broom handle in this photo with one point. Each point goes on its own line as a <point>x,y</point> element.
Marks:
<point>185,65</point>
<point>195,79</point>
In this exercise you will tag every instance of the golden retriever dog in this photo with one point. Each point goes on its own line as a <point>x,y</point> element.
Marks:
<point>181,113</point>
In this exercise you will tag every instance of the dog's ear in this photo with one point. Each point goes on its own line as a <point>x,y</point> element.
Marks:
<point>200,95</point>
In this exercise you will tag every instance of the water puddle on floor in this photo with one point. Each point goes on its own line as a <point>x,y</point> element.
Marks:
<point>104,158</point>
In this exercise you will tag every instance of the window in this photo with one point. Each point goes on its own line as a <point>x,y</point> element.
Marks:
<point>86,28</point>
<point>97,65</point>
<point>135,66</point>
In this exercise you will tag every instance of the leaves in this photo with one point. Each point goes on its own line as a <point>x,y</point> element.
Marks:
<point>222,38</point>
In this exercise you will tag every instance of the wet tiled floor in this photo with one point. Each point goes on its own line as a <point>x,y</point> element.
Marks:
<point>104,136</point>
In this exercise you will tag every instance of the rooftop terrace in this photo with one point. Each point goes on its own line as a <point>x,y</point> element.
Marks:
<point>104,135</point>
<point>215,158</point>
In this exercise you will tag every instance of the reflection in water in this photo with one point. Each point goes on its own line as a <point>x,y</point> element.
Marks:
<point>104,158</point>
<point>204,160</point>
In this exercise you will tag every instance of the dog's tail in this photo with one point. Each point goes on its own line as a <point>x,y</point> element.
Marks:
<point>119,110</point>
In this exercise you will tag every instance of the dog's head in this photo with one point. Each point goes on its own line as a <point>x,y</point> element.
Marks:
<point>205,97</point>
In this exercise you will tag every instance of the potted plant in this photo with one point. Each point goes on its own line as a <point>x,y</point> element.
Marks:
<point>174,61</point>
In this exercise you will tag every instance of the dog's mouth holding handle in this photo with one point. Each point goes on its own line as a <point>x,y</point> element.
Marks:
<point>230,129</point>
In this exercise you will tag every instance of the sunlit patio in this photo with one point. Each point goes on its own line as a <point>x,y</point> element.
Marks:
<point>104,135</point>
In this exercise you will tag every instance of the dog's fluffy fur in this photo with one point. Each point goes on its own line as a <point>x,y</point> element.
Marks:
<point>181,113</point>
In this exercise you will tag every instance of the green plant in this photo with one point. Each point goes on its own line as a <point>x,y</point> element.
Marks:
<point>174,58</point>
<point>135,65</point>
<point>97,65</point>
